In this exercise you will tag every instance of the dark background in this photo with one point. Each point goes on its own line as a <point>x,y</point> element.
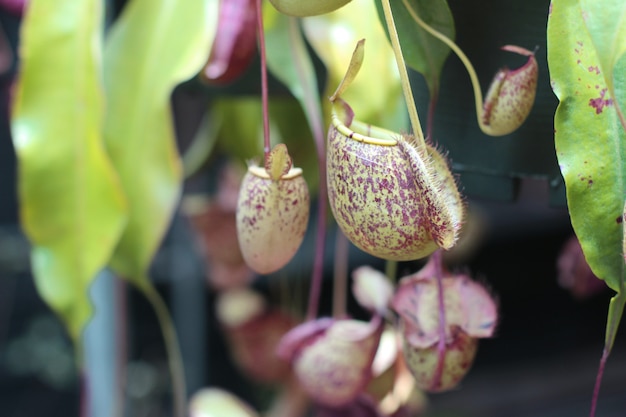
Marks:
<point>543,359</point>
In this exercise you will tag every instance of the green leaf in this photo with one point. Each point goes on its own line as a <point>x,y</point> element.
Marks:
<point>154,45</point>
<point>423,52</point>
<point>616,310</point>
<point>590,140</point>
<point>289,60</point>
<point>241,131</point>
<point>72,207</point>
<point>606,23</point>
<point>202,144</point>
<point>287,56</point>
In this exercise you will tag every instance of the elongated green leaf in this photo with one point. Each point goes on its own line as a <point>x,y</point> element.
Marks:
<point>590,140</point>
<point>287,57</point>
<point>72,206</point>
<point>289,60</point>
<point>153,46</point>
<point>423,52</point>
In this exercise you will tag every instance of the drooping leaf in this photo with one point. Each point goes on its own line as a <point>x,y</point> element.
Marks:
<point>590,140</point>
<point>423,52</point>
<point>72,207</point>
<point>376,94</point>
<point>154,45</point>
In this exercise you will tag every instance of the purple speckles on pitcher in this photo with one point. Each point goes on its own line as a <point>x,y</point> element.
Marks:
<point>272,213</point>
<point>390,198</point>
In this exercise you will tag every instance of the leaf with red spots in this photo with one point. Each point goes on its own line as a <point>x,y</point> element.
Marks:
<point>590,139</point>
<point>605,24</point>
<point>586,44</point>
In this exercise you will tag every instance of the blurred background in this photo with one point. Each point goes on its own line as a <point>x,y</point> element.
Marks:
<point>542,361</point>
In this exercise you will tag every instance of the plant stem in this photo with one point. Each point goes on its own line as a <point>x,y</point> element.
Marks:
<point>596,389</point>
<point>437,259</point>
<point>404,75</point>
<point>264,93</point>
<point>478,95</point>
<point>318,266</point>
<point>391,270</point>
<point>340,275</point>
<point>312,109</point>
<point>432,105</point>
<point>616,309</point>
<point>174,356</point>
<point>318,261</point>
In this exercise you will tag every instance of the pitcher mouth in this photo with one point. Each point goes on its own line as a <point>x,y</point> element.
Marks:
<point>362,132</point>
<point>260,172</point>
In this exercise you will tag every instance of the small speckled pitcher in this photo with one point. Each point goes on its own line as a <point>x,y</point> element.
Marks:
<point>272,212</point>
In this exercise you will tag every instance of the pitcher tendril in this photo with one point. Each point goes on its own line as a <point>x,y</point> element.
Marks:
<point>264,89</point>
<point>511,94</point>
